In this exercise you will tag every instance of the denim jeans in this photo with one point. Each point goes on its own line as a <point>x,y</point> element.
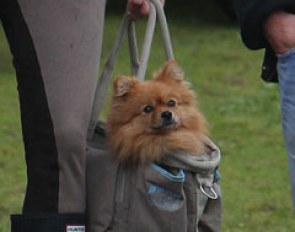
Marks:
<point>286,71</point>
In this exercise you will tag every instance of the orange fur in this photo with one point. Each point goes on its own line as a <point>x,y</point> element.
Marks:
<point>147,136</point>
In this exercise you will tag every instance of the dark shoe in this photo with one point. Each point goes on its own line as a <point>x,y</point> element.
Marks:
<point>48,223</point>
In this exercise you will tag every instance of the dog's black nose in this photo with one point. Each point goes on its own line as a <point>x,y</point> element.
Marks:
<point>166,115</point>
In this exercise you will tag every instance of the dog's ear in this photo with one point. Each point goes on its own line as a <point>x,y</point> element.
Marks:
<point>122,85</point>
<point>170,71</point>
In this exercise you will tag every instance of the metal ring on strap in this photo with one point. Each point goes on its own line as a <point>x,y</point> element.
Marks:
<point>214,196</point>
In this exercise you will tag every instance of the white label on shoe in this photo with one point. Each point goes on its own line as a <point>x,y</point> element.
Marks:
<point>72,228</point>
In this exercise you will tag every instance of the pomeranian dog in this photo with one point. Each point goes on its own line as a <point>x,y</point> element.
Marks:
<point>152,118</point>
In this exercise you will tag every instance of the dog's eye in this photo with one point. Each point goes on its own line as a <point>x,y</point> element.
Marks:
<point>148,109</point>
<point>171,103</point>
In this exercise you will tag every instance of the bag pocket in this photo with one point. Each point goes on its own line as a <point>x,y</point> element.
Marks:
<point>158,201</point>
<point>165,189</point>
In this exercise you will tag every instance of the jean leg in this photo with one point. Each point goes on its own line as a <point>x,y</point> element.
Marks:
<point>286,71</point>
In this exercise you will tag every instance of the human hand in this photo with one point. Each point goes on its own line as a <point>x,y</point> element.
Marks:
<point>138,8</point>
<point>279,31</point>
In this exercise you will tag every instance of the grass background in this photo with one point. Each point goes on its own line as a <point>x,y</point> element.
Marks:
<point>242,111</point>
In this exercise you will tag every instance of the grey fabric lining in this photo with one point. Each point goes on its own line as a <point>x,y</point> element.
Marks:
<point>202,163</point>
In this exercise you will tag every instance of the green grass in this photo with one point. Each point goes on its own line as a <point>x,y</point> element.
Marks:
<point>12,169</point>
<point>242,112</point>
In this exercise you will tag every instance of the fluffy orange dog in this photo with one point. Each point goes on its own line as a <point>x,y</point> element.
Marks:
<point>150,119</point>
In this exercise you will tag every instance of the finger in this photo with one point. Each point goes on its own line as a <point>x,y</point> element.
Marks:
<point>135,11</point>
<point>145,8</point>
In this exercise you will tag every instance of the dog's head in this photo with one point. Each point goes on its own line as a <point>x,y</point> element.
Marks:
<point>159,105</point>
<point>154,109</point>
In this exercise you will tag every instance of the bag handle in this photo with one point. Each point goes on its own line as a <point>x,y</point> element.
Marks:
<point>156,7</point>
<point>138,66</point>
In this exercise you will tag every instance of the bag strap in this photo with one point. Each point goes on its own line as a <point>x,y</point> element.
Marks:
<point>156,7</point>
<point>138,66</point>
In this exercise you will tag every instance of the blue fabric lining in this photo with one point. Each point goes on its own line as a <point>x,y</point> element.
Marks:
<point>180,177</point>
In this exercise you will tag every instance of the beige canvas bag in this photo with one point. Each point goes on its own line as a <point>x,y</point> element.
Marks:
<point>124,197</point>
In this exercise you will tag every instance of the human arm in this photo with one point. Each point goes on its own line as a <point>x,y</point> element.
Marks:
<point>279,31</point>
<point>253,14</point>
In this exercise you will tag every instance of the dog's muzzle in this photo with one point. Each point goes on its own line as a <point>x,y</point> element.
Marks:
<point>167,120</point>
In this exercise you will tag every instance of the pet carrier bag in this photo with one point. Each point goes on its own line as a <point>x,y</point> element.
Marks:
<point>179,194</point>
